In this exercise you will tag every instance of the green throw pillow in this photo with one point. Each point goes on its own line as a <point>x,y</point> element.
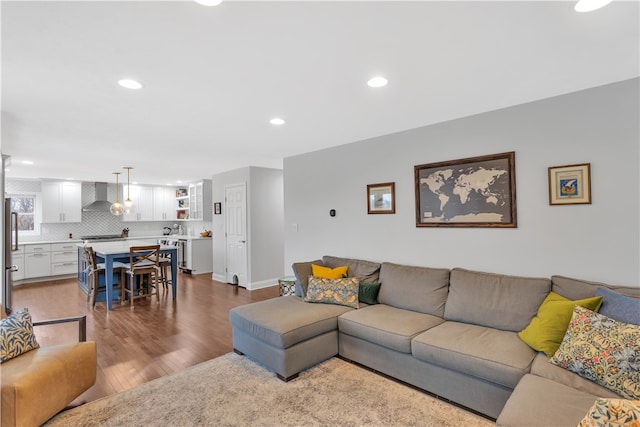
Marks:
<point>368,293</point>
<point>547,328</point>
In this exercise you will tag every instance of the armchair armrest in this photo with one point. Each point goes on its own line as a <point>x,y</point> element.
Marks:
<point>82,324</point>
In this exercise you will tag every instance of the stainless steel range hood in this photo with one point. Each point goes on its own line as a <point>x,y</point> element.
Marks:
<point>101,204</point>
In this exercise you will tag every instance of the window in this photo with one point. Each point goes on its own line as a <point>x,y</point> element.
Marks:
<point>26,205</point>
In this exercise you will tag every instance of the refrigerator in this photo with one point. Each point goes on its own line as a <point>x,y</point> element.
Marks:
<point>10,244</point>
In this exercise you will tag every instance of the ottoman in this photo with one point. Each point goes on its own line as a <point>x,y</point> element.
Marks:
<point>286,334</point>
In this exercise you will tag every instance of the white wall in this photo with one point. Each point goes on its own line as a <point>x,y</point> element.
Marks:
<point>266,208</point>
<point>265,218</point>
<point>595,242</point>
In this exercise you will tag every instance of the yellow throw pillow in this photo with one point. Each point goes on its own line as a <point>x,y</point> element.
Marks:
<point>546,330</point>
<point>329,273</point>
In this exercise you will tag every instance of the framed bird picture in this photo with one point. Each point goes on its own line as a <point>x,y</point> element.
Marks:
<point>570,185</point>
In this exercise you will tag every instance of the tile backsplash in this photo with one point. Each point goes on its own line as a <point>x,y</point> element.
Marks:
<point>96,223</point>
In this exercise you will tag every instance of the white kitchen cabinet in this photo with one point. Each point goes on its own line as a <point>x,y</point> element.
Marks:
<point>37,260</point>
<point>143,202</point>
<point>64,258</point>
<point>17,259</point>
<point>196,255</point>
<point>164,203</point>
<point>200,206</point>
<point>61,201</point>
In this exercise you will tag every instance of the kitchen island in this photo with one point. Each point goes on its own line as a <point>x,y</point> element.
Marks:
<point>109,252</point>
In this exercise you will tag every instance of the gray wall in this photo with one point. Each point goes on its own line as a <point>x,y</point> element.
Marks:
<point>596,242</point>
<point>265,218</point>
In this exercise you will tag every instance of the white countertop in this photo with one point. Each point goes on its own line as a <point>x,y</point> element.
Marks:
<point>46,242</point>
<point>170,237</point>
<point>121,246</point>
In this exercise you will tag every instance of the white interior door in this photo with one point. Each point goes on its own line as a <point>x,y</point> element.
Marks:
<point>236,232</point>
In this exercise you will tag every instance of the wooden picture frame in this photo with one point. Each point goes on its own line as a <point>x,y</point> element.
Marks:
<point>570,184</point>
<point>471,192</point>
<point>381,198</point>
<point>217,208</point>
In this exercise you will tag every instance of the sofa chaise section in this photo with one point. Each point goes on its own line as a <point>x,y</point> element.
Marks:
<point>286,334</point>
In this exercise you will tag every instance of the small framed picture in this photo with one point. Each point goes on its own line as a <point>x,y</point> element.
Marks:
<point>570,185</point>
<point>381,198</point>
<point>217,208</point>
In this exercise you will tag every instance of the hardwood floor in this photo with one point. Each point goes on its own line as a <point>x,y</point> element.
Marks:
<point>150,340</point>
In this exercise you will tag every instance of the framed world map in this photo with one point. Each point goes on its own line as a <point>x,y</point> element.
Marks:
<point>472,192</point>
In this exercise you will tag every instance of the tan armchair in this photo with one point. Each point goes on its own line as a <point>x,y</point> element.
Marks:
<point>40,383</point>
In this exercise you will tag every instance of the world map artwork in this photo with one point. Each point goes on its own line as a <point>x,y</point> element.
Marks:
<point>466,193</point>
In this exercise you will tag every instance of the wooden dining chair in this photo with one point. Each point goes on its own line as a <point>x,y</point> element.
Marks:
<point>143,272</point>
<point>95,270</point>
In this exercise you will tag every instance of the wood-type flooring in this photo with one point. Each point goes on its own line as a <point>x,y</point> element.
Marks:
<point>155,338</point>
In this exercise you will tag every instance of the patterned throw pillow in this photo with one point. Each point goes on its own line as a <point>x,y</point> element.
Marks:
<point>602,350</point>
<point>16,335</point>
<point>333,291</point>
<point>612,413</point>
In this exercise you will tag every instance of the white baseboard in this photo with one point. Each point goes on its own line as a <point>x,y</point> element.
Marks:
<point>262,284</point>
<point>219,277</point>
<point>249,286</point>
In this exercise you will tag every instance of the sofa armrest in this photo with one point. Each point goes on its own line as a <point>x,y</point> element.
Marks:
<point>82,325</point>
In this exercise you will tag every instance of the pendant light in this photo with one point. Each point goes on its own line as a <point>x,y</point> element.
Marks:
<point>116,207</point>
<point>129,207</point>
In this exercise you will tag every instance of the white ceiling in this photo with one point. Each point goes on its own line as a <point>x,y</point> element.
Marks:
<point>213,77</point>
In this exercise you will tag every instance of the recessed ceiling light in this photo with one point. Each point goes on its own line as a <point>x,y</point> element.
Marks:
<point>377,81</point>
<point>209,2</point>
<point>26,162</point>
<point>130,84</point>
<point>277,121</point>
<point>589,5</point>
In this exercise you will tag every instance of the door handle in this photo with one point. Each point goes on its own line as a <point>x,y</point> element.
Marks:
<point>243,241</point>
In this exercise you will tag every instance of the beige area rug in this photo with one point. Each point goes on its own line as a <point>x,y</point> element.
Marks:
<point>232,390</point>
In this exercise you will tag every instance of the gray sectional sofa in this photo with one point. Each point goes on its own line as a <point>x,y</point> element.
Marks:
<point>449,332</point>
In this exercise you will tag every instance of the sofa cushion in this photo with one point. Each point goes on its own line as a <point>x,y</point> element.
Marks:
<point>284,321</point>
<point>487,353</point>
<point>542,367</point>
<point>494,300</point>
<point>579,289</point>
<point>547,329</point>
<point>419,289</point>
<point>603,350</point>
<point>16,335</point>
<point>333,291</point>
<point>619,307</point>
<point>538,401</point>
<point>302,271</point>
<point>386,326</point>
<point>367,271</point>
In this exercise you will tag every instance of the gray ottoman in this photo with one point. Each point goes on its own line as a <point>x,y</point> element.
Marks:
<point>286,334</point>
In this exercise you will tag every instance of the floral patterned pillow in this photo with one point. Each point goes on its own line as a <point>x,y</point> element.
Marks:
<point>333,291</point>
<point>602,350</point>
<point>612,413</point>
<point>16,335</point>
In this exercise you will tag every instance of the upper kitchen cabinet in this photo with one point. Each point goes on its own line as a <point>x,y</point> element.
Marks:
<point>61,201</point>
<point>200,205</point>
<point>164,203</point>
<point>143,203</point>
